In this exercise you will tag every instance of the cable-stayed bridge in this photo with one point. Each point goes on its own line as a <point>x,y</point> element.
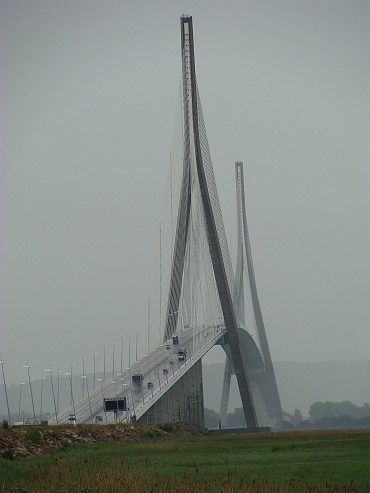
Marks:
<point>202,302</point>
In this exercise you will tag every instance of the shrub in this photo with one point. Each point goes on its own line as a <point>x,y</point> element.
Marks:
<point>8,454</point>
<point>151,433</point>
<point>33,435</point>
<point>5,424</point>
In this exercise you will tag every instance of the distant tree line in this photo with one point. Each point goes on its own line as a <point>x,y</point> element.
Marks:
<point>233,420</point>
<point>330,415</point>
<point>320,410</point>
<point>321,415</point>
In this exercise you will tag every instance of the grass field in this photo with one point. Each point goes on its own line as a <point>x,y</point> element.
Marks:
<point>336,461</point>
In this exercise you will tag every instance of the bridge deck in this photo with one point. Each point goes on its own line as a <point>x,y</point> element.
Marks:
<point>161,368</point>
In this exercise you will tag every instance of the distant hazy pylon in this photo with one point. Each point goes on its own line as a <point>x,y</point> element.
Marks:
<point>251,325</point>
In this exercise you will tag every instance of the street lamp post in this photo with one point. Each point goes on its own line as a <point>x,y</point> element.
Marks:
<point>105,347</point>
<point>83,373</point>
<point>114,345</point>
<point>20,398</point>
<point>149,373</point>
<point>124,385</point>
<point>6,392</point>
<point>88,395</point>
<point>29,381</point>
<point>42,384</point>
<point>70,384</point>
<point>122,353</point>
<point>95,353</point>
<point>71,380</point>
<point>102,394</point>
<point>52,388</point>
<point>115,393</point>
<point>129,351</point>
<point>137,339</point>
<point>148,325</point>
<point>59,371</point>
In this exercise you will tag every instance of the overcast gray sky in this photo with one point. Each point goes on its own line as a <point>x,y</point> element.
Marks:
<point>88,95</point>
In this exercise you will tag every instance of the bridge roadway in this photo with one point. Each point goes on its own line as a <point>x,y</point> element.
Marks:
<point>161,368</point>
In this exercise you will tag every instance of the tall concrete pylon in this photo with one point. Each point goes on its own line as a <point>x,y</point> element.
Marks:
<point>196,148</point>
<point>256,352</point>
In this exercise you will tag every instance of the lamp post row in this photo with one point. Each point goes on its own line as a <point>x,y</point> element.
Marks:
<point>70,375</point>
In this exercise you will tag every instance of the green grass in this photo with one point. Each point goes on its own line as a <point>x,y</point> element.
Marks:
<point>280,462</point>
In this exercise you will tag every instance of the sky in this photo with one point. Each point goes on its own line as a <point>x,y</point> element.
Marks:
<point>88,98</point>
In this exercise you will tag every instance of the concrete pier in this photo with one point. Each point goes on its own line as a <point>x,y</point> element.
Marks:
<point>182,403</point>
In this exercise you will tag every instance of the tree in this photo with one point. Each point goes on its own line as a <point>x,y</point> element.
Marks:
<point>322,410</point>
<point>210,418</point>
<point>236,419</point>
<point>298,417</point>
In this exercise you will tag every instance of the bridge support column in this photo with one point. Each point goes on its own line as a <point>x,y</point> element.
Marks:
<point>182,403</point>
